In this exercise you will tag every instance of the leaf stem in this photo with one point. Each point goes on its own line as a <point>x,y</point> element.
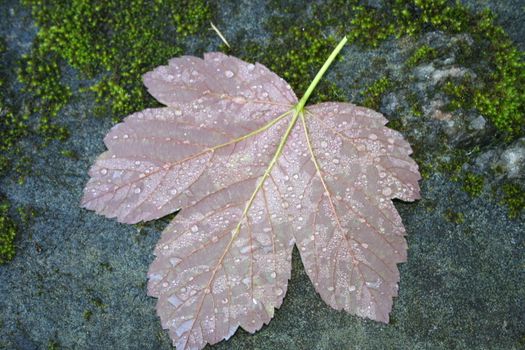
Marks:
<point>299,107</point>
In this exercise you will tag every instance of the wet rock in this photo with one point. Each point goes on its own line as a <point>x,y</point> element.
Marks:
<point>512,160</point>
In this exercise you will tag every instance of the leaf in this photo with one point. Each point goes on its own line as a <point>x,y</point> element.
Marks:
<point>255,173</point>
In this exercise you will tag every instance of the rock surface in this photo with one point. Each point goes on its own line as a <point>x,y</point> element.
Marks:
<point>79,280</point>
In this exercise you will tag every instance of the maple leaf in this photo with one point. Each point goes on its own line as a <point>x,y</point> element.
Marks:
<point>255,173</point>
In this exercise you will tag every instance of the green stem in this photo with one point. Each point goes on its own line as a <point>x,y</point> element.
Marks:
<point>299,107</point>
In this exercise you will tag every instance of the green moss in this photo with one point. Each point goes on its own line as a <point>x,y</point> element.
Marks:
<point>454,217</point>
<point>369,26</point>
<point>498,93</point>
<point>8,232</point>
<point>513,198</point>
<point>473,184</point>
<point>53,345</point>
<point>295,51</point>
<point>373,94</point>
<point>87,314</point>
<point>424,53</point>
<point>98,303</point>
<point>12,126</point>
<point>191,21</point>
<point>115,40</point>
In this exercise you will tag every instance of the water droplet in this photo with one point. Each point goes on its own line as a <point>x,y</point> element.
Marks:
<point>137,162</point>
<point>173,191</point>
<point>125,136</point>
<point>251,67</point>
<point>137,190</point>
<point>335,161</point>
<point>330,289</point>
<point>278,291</point>
<point>364,245</point>
<point>193,292</point>
<point>194,228</point>
<point>324,144</point>
<point>239,100</point>
<point>178,112</point>
<point>351,288</point>
<point>273,275</point>
<point>387,191</point>
<point>103,171</point>
<point>228,74</point>
<point>224,301</point>
<point>285,205</point>
<point>214,239</point>
<point>372,137</point>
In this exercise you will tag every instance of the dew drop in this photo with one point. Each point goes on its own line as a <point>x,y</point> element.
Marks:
<point>330,289</point>
<point>125,136</point>
<point>224,301</point>
<point>194,228</point>
<point>351,288</point>
<point>285,205</point>
<point>214,239</point>
<point>193,292</point>
<point>387,191</point>
<point>173,191</point>
<point>273,275</point>
<point>278,291</point>
<point>251,67</point>
<point>137,190</point>
<point>324,144</point>
<point>239,100</point>
<point>372,137</point>
<point>178,112</point>
<point>228,74</point>
<point>335,161</point>
<point>103,171</point>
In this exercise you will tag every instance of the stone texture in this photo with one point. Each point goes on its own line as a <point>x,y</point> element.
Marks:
<point>79,279</point>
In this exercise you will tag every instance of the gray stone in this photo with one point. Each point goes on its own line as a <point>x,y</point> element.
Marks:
<point>512,160</point>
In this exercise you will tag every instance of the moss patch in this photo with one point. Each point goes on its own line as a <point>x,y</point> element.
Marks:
<point>372,95</point>
<point>514,198</point>
<point>117,41</point>
<point>8,232</point>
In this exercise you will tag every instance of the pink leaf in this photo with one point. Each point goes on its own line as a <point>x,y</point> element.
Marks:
<point>255,175</point>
